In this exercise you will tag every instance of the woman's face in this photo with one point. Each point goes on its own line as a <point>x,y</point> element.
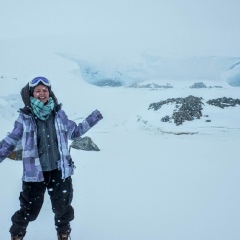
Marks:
<point>41,93</point>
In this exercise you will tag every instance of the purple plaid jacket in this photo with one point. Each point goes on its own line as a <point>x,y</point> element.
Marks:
<point>25,130</point>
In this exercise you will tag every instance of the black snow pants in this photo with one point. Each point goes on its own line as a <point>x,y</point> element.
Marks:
<point>31,201</point>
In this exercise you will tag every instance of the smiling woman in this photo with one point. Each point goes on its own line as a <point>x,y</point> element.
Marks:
<point>41,93</point>
<point>44,130</point>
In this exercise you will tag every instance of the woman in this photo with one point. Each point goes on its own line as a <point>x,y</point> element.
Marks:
<point>44,129</point>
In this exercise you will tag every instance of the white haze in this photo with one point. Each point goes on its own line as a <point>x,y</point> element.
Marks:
<point>147,182</point>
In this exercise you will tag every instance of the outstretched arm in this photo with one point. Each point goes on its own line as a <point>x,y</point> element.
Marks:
<point>9,142</point>
<point>83,127</point>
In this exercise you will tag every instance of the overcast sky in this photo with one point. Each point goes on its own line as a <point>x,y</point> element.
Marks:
<point>197,27</point>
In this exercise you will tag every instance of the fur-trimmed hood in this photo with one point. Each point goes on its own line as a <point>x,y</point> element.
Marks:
<point>26,100</point>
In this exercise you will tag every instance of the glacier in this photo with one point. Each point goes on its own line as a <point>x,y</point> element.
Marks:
<point>160,69</point>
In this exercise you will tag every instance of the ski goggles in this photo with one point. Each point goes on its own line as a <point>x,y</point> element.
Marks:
<point>37,80</point>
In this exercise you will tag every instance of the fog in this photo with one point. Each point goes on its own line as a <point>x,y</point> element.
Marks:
<point>128,27</point>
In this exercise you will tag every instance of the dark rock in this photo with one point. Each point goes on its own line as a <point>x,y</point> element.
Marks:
<point>190,108</point>
<point>165,119</point>
<point>16,154</point>
<point>108,83</point>
<point>85,143</point>
<point>224,102</point>
<point>150,85</point>
<point>215,87</point>
<point>198,85</point>
<point>187,109</point>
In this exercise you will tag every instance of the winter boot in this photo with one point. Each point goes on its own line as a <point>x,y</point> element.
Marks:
<point>17,237</point>
<point>64,236</point>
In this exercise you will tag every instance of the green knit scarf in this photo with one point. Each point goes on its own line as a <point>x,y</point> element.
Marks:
<point>41,110</point>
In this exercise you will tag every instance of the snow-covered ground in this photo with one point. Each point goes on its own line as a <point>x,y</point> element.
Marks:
<point>149,181</point>
<point>146,182</point>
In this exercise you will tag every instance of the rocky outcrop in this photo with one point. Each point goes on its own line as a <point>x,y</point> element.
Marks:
<point>203,85</point>
<point>224,102</point>
<point>16,154</point>
<point>198,85</point>
<point>187,109</point>
<point>85,143</point>
<point>190,108</point>
<point>150,85</point>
